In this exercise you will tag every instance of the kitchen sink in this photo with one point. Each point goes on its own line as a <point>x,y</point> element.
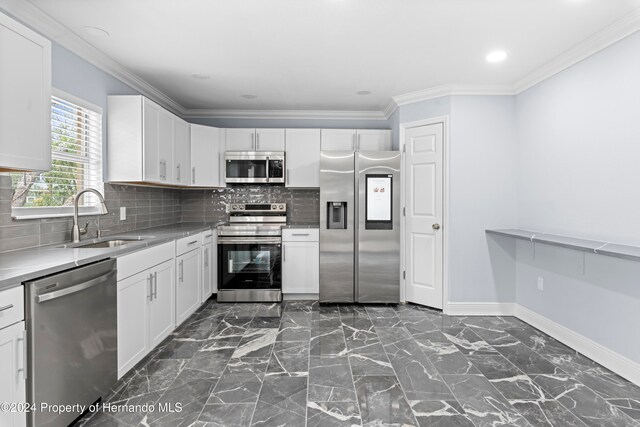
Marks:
<point>107,243</point>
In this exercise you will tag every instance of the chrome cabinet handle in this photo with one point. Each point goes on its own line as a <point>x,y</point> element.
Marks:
<point>253,141</point>
<point>178,177</point>
<point>150,282</point>
<point>358,141</point>
<point>287,176</point>
<point>6,307</point>
<point>206,257</point>
<point>436,226</point>
<point>284,253</point>
<point>299,234</point>
<point>257,141</point>
<point>181,275</point>
<point>154,294</point>
<point>192,243</point>
<point>354,142</point>
<point>193,175</point>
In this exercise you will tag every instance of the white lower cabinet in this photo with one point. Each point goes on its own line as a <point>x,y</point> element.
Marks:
<point>146,303</point>
<point>300,261</point>
<point>162,319</point>
<point>12,373</point>
<point>187,284</point>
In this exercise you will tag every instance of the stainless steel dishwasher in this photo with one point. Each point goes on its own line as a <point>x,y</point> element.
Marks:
<point>72,340</point>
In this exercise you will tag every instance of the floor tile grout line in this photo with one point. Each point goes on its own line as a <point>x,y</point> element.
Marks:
<point>353,382</point>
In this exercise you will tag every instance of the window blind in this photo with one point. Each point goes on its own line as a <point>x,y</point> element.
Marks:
<point>76,153</point>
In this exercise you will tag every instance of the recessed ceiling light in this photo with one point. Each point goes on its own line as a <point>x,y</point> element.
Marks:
<point>363,92</point>
<point>96,32</point>
<point>249,96</point>
<point>496,56</point>
<point>201,76</point>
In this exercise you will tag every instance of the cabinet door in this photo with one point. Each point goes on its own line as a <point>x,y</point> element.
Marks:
<point>300,267</point>
<point>25,98</point>
<point>187,285</point>
<point>303,158</point>
<point>270,140</point>
<point>207,276</point>
<point>240,139</point>
<point>166,140</point>
<point>133,320</point>
<point>181,152</point>
<point>151,137</point>
<point>374,140</point>
<point>338,139</point>
<point>205,156</point>
<point>162,309</point>
<point>12,379</point>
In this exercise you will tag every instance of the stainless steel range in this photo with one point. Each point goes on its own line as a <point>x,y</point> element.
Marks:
<point>249,251</point>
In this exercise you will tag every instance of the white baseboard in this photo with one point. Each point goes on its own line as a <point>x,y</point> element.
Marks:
<point>480,309</point>
<point>618,363</point>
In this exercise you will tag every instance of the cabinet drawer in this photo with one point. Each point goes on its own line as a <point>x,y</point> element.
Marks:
<point>300,235</point>
<point>11,306</point>
<point>187,244</point>
<point>130,264</point>
<point>207,237</point>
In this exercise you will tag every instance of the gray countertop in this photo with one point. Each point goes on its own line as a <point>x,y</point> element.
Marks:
<point>593,246</point>
<point>19,266</point>
<point>302,225</point>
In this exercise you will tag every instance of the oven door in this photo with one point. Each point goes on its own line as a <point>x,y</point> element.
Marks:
<point>249,263</point>
<point>246,168</point>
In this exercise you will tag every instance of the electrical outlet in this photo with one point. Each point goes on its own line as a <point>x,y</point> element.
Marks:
<point>123,213</point>
<point>540,284</point>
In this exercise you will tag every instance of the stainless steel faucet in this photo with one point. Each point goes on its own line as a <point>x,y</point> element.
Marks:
<point>76,231</point>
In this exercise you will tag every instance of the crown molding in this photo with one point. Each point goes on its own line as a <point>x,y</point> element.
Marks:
<point>34,17</point>
<point>284,114</point>
<point>452,89</point>
<point>604,38</point>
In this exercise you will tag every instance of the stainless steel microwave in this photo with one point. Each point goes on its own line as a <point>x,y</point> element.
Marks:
<point>253,167</point>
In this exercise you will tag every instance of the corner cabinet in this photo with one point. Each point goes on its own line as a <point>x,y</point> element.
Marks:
<point>300,261</point>
<point>147,144</point>
<point>25,98</point>
<point>356,140</point>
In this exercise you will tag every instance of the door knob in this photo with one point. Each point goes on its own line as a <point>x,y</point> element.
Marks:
<point>436,226</point>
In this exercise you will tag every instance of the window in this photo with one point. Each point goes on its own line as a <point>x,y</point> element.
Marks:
<point>76,154</point>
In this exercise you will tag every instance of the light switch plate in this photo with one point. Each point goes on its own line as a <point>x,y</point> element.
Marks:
<point>123,213</point>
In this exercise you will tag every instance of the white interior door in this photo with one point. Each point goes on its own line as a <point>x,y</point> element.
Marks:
<point>424,212</point>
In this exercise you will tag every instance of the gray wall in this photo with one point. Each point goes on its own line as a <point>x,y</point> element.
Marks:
<point>578,174</point>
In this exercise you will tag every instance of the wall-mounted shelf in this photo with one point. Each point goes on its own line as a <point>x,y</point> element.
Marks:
<point>593,246</point>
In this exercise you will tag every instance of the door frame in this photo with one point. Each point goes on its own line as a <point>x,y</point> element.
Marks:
<point>444,120</point>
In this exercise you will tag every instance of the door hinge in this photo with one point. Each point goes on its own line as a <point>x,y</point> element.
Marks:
<point>404,274</point>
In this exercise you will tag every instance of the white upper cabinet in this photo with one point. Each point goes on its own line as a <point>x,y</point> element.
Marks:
<point>205,156</point>
<point>25,98</point>
<point>142,138</point>
<point>373,140</point>
<point>356,140</point>
<point>270,140</point>
<point>303,158</point>
<point>182,171</point>
<point>338,139</point>
<point>240,139</point>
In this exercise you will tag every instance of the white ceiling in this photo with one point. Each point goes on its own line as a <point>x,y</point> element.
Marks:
<point>316,54</point>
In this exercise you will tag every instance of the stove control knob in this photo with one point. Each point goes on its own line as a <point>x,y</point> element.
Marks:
<point>234,207</point>
<point>241,207</point>
<point>281,207</point>
<point>273,207</point>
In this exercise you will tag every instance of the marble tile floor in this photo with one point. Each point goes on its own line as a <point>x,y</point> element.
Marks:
<point>303,364</point>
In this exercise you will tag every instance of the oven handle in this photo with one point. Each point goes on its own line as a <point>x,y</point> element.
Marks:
<point>236,240</point>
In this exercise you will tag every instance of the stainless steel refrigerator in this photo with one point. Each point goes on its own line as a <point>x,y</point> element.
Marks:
<point>360,226</point>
